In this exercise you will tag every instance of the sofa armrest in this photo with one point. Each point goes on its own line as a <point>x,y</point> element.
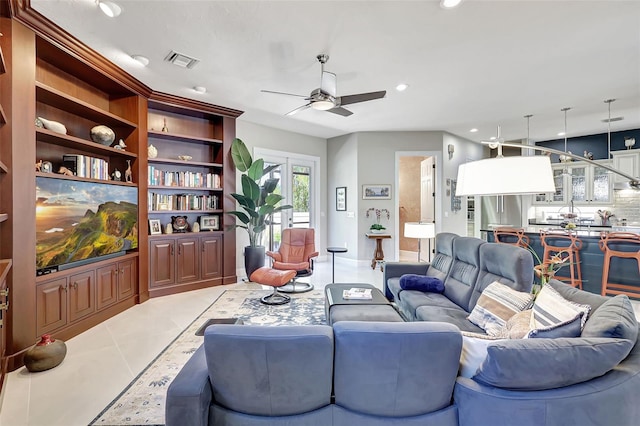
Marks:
<point>398,269</point>
<point>189,395</point>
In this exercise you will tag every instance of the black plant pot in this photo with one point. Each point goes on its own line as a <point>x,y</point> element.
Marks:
<point>253,259</point>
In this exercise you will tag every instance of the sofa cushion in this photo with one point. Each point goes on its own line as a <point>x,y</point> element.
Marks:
<point>496,305</point>
<point>270,371</point>
<point>421,283</point>
<point>411,300</point>
<point>550,308</point>
<point>537,364</point>
<point>474,352</point>
<point>569,328</point>
<point>459,284</point>
<point>395,369</point>
<point>455,316</point>
<point>614,318</point>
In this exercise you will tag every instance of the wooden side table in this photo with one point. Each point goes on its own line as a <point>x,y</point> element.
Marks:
<point>378,254</point>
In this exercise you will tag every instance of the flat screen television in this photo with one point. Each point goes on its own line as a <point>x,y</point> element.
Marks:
<point>81,222</point>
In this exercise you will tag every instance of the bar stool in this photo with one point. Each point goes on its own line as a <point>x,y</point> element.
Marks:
<point>555,242</point>
<point>512,236</point>
<point>628,241</point>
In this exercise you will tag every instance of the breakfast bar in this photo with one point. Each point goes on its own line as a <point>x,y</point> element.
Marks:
<point>622,271</point>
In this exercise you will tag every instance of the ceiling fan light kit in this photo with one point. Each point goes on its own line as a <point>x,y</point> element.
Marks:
<point>325,97</point>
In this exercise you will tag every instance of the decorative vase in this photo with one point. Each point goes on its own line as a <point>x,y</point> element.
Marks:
<point>152,151</point>
<point>103,135</point>
<point>195,227</point>
<point>377,231</point>
<point>46,354</point>
<point>253,259</point>
<point>54,126</point>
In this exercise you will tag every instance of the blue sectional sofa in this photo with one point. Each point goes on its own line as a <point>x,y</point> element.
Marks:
<point>593,379</point>
<point>351,374</point>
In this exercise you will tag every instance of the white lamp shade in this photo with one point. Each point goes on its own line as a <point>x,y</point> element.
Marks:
<point>419,230</point>
<point>506,175</point>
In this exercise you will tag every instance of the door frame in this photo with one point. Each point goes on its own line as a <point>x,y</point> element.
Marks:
<point>268,154</point>
<point>437,185</point>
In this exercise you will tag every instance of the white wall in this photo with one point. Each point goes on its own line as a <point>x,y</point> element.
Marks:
<point>259,136</point>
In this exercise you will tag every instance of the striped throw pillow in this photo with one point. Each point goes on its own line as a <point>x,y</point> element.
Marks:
<point>551,309</point>
<point>498,303</point>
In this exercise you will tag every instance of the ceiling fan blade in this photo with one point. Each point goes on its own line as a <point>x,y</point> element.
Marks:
<point>297,110</point>
<point>340,111</point>
<point>361,97</point>
<point>329,83</point>
<point>283,93</point>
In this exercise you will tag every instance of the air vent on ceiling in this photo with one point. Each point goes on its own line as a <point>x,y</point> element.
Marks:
<point>612,119</point>
<point>181,60</point>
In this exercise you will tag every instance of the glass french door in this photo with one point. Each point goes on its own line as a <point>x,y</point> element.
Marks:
<point>296,183</point>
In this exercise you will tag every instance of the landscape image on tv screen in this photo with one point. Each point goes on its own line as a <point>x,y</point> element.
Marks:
<point>76,221</point>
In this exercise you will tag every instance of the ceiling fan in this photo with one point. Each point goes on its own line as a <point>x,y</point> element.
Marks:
<point>325,97</point>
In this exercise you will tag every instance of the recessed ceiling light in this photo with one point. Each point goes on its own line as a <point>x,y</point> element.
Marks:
<point>109,8</point>
<point>200,89</point>
<point>402,87</point>
<point>142,60</point>
<point>493,138</point>
<point>449,4</point>
<point>473,130</point>
<point>561,134</point>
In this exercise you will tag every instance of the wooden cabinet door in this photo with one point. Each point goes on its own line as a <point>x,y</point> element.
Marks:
<point>162,263</point>
<point>82,295</point>
<point>51,306</point>
<point>187,260</point>
<point>107,286</point>
<point>127,278</point>
<point>211,257</point>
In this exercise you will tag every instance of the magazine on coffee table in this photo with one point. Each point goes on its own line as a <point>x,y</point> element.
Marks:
<point>357,293</point>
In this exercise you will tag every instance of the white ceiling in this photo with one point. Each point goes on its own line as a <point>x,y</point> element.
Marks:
<point>484,64</point>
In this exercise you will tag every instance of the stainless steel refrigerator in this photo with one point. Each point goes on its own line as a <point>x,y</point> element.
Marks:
<point>501,210</point>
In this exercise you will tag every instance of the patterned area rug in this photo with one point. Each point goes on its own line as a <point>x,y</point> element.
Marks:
<point>143,401</point>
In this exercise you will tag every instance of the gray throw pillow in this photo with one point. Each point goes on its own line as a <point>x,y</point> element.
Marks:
<point>614,318</point>
<point>537,364</point>
<point>570,328</point>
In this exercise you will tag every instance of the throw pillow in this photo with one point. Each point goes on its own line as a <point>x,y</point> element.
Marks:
<point>614,318</point>
<point>474,352</point>
<point>421,283</point>
<point>550,309</point>
<point>517,326</point>
<point>570,328</point>
<point>498,303</point>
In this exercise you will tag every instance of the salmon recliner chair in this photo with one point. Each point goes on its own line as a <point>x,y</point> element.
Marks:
<point>296,253</point>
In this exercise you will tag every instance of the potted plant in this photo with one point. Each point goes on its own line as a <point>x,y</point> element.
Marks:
<point>378,228</point>
<point>258,202</point>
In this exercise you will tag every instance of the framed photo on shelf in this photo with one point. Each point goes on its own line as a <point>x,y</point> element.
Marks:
<point>341,198</point>
<point>154,227</point>
<point>209,223</point>
<point>376,192</point>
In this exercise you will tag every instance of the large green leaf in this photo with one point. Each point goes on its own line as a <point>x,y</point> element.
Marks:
<point>250,189</point>
<point>240,215</point>
<point>280,208</point>
<point>240,155</point>
<point>266,209</point>
<point>245,202</point>
<point>273,199</point>
<point>270,185</point>
<point>255,171</point>
<point>268,169</point>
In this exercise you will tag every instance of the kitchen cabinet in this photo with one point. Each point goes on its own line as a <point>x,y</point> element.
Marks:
<point>628,162</point>
<point>559,196</point>
<point>582,183</point>
<point>115,282</point>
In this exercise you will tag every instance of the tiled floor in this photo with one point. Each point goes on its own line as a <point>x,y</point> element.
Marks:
<point>102,361</point>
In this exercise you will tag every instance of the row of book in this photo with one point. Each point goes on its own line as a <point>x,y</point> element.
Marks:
<point>159,202</point>
<point>86,167</point>
<point>183,178</point>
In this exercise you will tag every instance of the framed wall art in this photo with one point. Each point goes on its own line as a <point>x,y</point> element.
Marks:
<point>341,198</point>
<point>154,227</point>
<point>376,192</point>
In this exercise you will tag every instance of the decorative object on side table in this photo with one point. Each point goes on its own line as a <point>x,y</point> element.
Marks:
<point>605,216</point>
<point>102,134</point>
<point>258,202</point>
<point>54,126</point>
<point>179,224</point>
<point>377,228</point>
<point>45,355</point>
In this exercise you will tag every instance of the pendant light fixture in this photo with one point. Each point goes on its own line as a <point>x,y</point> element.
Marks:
<point>608,102</point>
<point>528,142</point>
<point>565,158</point>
